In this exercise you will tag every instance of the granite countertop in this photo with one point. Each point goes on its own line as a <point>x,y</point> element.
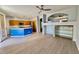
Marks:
<point>20,27</point>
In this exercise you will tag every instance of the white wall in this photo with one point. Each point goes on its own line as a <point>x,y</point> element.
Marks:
<point>77,30</point>
<point>0,31</point>
<point>38,24</point>
<point>7,21</point>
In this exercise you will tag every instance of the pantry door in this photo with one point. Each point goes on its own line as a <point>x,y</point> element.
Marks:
<point>3,30</point>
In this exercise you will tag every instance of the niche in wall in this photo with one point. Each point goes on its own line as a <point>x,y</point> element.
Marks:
<point>58,17</point>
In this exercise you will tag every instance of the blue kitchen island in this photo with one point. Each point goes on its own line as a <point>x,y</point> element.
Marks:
<point>20,32</point>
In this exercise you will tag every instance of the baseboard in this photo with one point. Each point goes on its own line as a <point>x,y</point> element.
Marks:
<point>77,45</point>
<point>21,36</point>
<point>78,48</point>
<point>4,39</point>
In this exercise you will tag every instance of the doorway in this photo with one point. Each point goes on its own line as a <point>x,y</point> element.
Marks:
<point>3,30</point>
<point>41,25</point>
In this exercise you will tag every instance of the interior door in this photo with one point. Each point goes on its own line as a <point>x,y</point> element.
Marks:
<point>3,31</point>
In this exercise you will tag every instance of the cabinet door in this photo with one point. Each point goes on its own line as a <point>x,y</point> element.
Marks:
<point>17,32</point>
<point>28,31</point>
<point>3,30</point>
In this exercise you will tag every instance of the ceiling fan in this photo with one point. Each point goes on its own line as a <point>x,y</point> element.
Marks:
<point>41,8</point>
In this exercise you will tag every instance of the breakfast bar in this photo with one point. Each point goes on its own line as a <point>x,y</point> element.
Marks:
<point>20,32</point>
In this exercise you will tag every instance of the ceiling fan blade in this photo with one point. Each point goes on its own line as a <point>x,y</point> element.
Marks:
<point>42,6</point>
<point>38,7</point>
<point>46,9</point>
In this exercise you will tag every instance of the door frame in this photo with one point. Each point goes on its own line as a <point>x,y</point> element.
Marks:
<point>3,34</point>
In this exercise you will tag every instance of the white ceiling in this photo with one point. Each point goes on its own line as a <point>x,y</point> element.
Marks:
<point>29,10</point>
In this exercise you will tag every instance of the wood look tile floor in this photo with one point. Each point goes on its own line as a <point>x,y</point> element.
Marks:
<point>42,44</point>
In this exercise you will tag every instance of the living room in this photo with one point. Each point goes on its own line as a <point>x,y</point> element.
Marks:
<point>33,26</point>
